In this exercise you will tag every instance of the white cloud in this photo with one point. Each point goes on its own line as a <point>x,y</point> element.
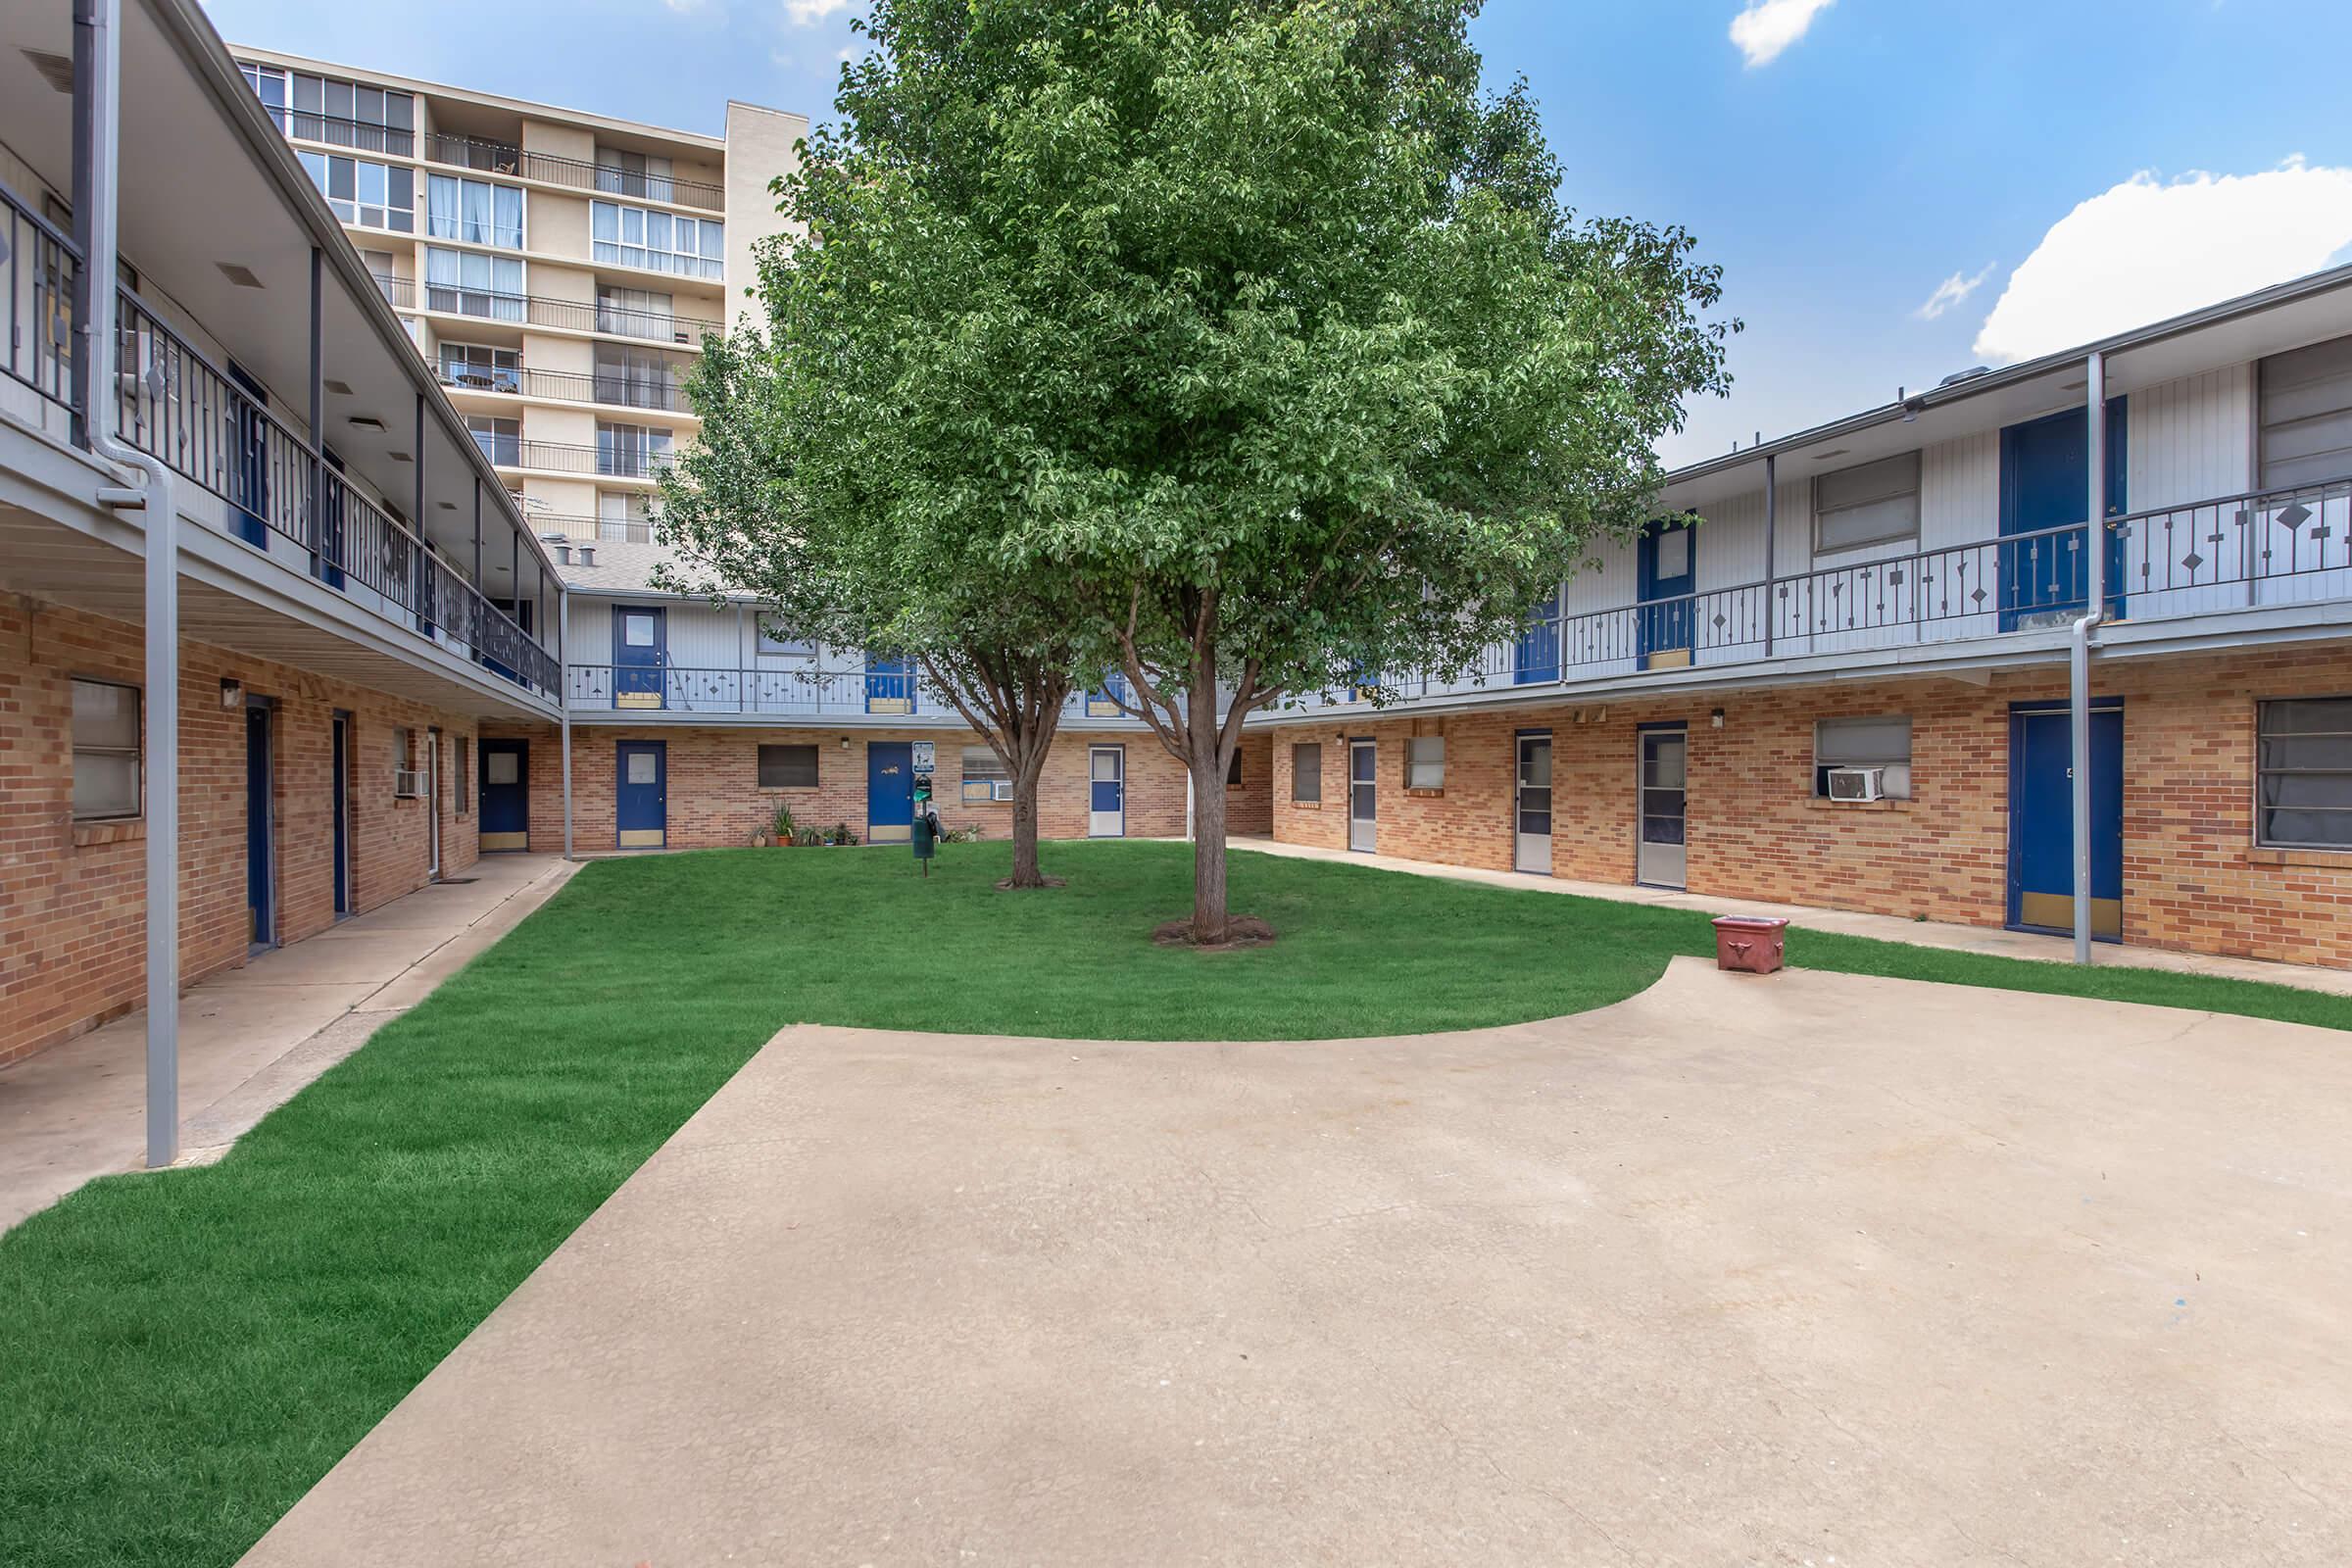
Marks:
<point>1950,293</point>
<point>1768,26</point>
<point>808,13</point>
<point>2145,250</point>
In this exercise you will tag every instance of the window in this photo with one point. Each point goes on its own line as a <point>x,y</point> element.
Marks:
<point>637,628</point>
<point>106,750</point>
<point>2305,433</point>
<point>1425,763</point>
<point>364,192</point>
<point>644,313</point>
<point>1110,700</point>
<point>624,516</point>
<point>405,778</point>
<point>626,173</point>
<point>637,378</point>
<point>484,369</point>
<point>474,210</point>
<point>269,84</point>
<point>778,643</point>
<point>1306,772</point>
<point>501,440</point>
<point>985,776</point>
<point>464,771</point>
<point>2303,775</point>
<point>341,114</point>
<point>788,768</point>
<point>502,767</point>
<point>1870,504</point>
<point>1233,770</point>
<point>470,283</point>
<point>666,242</point>
<point>631,451</point>
<point>1883,742</point>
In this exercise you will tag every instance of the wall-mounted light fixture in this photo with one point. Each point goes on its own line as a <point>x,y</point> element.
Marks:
<point>1715,719</point>
<point>845,743</point>
<point>233,693</point>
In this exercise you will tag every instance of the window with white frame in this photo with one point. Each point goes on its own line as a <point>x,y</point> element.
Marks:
<point>470,283</point>
<point>364,192</point>
<point>788,768</point>
<point>631,451</point>
<point>985,776</point>
<point>481,368</point>
<point>2303,775</point>
<point>1425,763</point>
<point>1306,772</point>
<point>637,378</point>
<point>635,312</point>
<point>777,643</point>
<point>624,516</point>
<point>664,242</point>
<point>627,173</point>
<point>405,780</point>
<point>1869,503</point>
<point>341,114</point>
<point>1883,742</point>
<point>269,84</point>
<point>106,750</point>
<point>474,210</point>
<point>501,440</point>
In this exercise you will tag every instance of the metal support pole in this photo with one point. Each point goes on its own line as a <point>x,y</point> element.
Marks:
<point>478,584</point>
<point>85,72</point>
<point>1772,561</point>
<point>417,515</point>
<point>563,704</point>
<point>317,390</point>
<point>2094,609</point>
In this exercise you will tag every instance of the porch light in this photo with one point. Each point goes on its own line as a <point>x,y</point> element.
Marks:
<point>233,693</point>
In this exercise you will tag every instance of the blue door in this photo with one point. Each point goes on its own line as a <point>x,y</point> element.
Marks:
<point>1106,792</point>
<point>340,788</point>
<point>1668,566</point>
<point>889,685</point>
<point>640,655</point>
<point>2041,819</point>
<point>889,791</point>
<point>505,795</point>
<point>260,883</point>
<point>1538,656</point>
<point>640,803</point>
<point>248,460</point>
<point>2045,483</point>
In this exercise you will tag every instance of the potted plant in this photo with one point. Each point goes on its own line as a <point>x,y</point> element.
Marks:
<point>784,831</point>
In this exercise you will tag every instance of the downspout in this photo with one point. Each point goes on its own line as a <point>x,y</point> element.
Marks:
<point>2094,612</point>
<point>1772,560</point>
<point>157,503</point>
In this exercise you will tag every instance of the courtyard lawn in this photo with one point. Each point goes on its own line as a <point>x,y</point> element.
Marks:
<point>188,1352</point>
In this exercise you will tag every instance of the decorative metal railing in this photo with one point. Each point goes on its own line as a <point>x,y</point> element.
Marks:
<point>504,158</point>
<point>538,309</point>
<point>617,388</point>
<point>42,270</point>
<point>176,405</point>
<point>802,691</point>
<point>337,130</point>
<point>616,459</point>
<point>2259,547</point>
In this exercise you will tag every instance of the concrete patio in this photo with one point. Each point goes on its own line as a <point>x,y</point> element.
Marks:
<point>1807,1270</point>
<point>250,1038</point>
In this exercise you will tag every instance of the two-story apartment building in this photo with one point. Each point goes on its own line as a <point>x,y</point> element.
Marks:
<point>1888,599</point>
<point>261,590</point>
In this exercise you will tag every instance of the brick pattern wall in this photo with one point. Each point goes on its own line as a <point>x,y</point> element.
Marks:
<point>73,929</point>
<point>715,800</point>
<point>2194,879</point>
<point>1250,804</point>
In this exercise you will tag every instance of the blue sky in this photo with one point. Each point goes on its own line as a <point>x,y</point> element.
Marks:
<point>2068,167</point>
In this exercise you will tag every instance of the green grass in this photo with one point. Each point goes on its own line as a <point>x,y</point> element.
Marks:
<point>185,1353</point>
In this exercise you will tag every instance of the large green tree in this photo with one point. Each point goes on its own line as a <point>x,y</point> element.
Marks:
<point>1251,333</point>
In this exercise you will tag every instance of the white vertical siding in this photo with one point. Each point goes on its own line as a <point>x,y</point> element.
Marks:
<point>2189,440</point>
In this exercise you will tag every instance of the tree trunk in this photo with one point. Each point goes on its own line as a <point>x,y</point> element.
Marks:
<point>1207,765</point>
<point>1025,872</point>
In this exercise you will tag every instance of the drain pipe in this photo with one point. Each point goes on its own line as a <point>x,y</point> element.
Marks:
<point>158,504</point>
<point>2094,612</point>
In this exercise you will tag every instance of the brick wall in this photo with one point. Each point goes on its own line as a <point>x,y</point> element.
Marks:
<point>715,800</point>
<point>72,931</point>
<point>1250,804</point>
<point>2194,878</point>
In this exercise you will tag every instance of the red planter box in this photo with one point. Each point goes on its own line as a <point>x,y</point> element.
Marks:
<point>1749,944</point>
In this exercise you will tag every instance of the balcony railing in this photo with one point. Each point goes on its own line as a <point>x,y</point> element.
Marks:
<point>2233,552</point>
<point>176,405</point>
<point>539,310</point>
<point>606,461</point>
<point>800,691</point>
<point>336,131</point>
<point>615,388</point>
<point>504,158</point>
<point>42,273</point>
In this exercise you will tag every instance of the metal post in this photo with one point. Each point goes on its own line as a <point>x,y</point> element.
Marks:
<point>86,71</point>
<point>563,703</point>
<point>478,584</point>
<point>417,515</point>
<point>1772,561</point>
<point>2094,609</point>
<point>317,390</point>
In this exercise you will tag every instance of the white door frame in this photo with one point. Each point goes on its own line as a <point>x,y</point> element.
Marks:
<point>1530,848</point>
<point>1106,824</point>
<point>1662,865</point>
<point>1363,832</point>
<point>433,802</point>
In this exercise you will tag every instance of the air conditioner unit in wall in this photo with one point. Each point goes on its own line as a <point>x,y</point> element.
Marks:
<point>1857,783</point>
<point>408,782</point>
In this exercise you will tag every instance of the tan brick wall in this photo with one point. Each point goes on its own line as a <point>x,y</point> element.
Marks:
<point>1250,804</point>
<point>73,929</point>
<point>2194,878</point>
<point>715,800</point>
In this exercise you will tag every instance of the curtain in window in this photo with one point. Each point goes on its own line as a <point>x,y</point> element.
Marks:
<point>441,203</point>
<point>510,218</point>
<point>476,199</point>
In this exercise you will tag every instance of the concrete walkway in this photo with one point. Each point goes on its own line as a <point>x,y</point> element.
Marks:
<point>1810,1269</point>
<point>250,1038</point>
<point>1884,927</point>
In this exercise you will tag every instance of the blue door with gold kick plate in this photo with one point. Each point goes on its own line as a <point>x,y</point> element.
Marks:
<point>889,791</point>
<point>2045,483</point>
<point>2041,818</point>
<point>505,795</point>
<point>1667,565</point>
<point>640,657</point>
<point>640,803</point>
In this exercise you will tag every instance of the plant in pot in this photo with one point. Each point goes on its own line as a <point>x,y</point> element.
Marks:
<point>809,838</point>
<point>784,831</point>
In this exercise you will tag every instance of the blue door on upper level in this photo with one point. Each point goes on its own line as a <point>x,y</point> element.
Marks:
<point>2045,483</point>
<point>2041,818</point>
<point>889,791</point>
<point>640,655</point>
<point>1538,656</point>
<point>641,804</point>
<point>1667,562</point>
<point>889,685</point>
<point>249,460</point>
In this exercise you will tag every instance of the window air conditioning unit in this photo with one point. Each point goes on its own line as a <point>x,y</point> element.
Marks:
<point>1857,783</point>
<point>408,782</point>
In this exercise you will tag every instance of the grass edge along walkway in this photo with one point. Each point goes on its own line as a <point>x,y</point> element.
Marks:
<point>191,1351</point>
